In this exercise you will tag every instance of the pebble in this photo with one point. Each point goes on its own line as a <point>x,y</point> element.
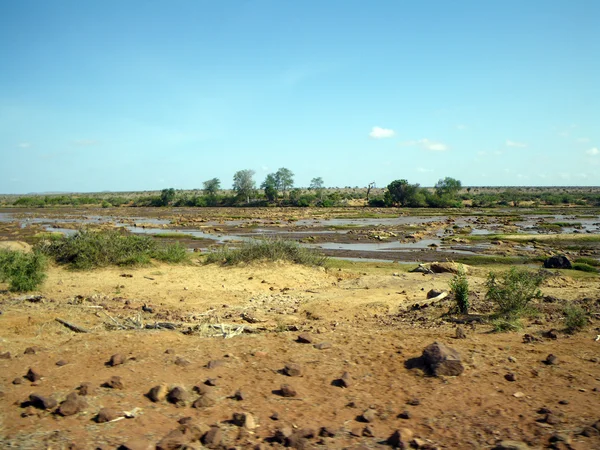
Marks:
<point>178,396</point>
<point>72,405</point>
<point>551,360</point>
<point>5,355</point>
<point>213,437</point>
<point>85,388</point>
<point>182,362</point>
<point>158,393</point>
<point>107,415</point>
<point>510,377</point>
<point>30,351</point>
<point>323,345</point>
<point>205,401</point>
<point>401,438</point>
<point>116,360</point>
<point>292,370</point>
<point>245,420</point>
<point>214,364</point>
<point>114,383</point>
<point>18,380</point>
<point>304,338</point>
<point>33,375</point>
<point>405,415</point>
<point>42,402</point>
<point>288,391</point>
<point>369,415</point>
<point>327,432</point>
<point>61,363</point>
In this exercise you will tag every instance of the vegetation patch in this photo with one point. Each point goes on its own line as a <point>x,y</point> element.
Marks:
<point>513,291</point>
<point>460,288</point>
<point>23,271</point>
<point>89,249</point>
<point>583,267</point>
<point>575,318</point>
<point>268,249</point>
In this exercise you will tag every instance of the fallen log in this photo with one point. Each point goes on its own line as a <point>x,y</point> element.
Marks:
<point>71,326</point>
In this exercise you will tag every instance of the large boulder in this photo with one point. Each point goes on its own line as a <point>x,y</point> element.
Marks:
<point>557,262</point>
<point>442,360</point>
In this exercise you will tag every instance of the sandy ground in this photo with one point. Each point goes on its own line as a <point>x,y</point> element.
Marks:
<point>364,319</point>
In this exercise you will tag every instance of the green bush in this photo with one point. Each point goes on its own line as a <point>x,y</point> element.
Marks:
<point>589,261</point>
<point>23,271</point>
<point>513,291</point>
<point>268,249</point>
<point>460,288</point>
<point>584,267</point>
<point>575,318</point>
<point>89,249</point>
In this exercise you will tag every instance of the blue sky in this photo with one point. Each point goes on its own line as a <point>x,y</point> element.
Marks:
<point>142,95</point>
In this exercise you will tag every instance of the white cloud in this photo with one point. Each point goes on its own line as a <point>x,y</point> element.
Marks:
<point>510,143</point>
<point>583,140</point>
<point>427,144</point>
<point>381,133</point>
<point>593,151</point>
<point>24,144</point>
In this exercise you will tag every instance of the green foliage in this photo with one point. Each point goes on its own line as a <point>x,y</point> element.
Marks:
<point>589,261</point>
<point>584,267</point>
<point>512,291</point>
<point>23,271</point>
<point>167,196</point>
<point>243,184</point>
<point>575,318</point>
<point>268,249</point>
<point>448,187</point>
<point>460,288</point>
<point>316,183</point>
<point>400,192</point>
<point>270,187</point>
<point>502,325</point>
<point>212,186</point>
<point>285,179</point>
<point>88,249</point>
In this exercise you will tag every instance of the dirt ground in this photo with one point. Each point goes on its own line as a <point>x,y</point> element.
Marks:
<point>369,320</point>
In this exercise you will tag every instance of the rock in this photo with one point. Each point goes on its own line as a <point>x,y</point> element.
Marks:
<point>323,345</point>
<point>292,370</point>
<point>510,377</point>
<point>158,393</point>
<point>238,395</point>
<point>136,444</point>
<point>18,380</point>
<point>114,383</point>
<point>442,360</point>
<point>404,415</point>
<point>282,434</point>
<point>213,437</point>
<point>557,262</point>
<point>203,389</point>
<point>511,445</point>
<point>30,351</point>
<point>33,375</point>
<point>551,334</point>
<point>447,267</point>
<point>116,360</point>
<point>287,391</point>
<point>211,381</point>
<point>433,293</point>
<point>369,415</point>
<point>401,438</point>
<point>42,402</point>
<point>590,432</point>
<point>460,333</point>
<point>551,360</point>
<point>368,431</point>
<point>214,364</point>
<point>180,438</point>
<point>182,362</point>
<point>245,420</point>
<point>178,396</point>
<point>107,415</point>
<point>72,405</point>
<point>413,401</point>
<point>61,362</point>
<point>346,380</point>
<point>85,388</point>
<point>327,432</point>
<point>205,401</point>
<point>5,355</point>
<point>304,338</point>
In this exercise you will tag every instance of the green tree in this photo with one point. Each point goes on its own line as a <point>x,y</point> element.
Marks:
<point>270,187</point>
<point>212,186</point>
<point>316,183</point>
<point>285,179</point>
<point>243,183</point>
<point>448,187</point>
<point>167,196</point>
<point>401,192</point>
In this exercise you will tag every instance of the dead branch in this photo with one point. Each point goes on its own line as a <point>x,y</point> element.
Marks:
<point>72,327</point>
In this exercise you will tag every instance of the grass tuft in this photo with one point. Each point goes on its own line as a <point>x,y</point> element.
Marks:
<point>268,249</point>
<point>575,318</point>
<point>23,271</point>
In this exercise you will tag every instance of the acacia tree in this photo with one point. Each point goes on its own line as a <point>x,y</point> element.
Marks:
<point>316,183</point>
<point>285,179</point>
<point>447,187</point>
<point>243,183</point>
<point>401,192</point>
<point>167,196</point>
<point>270,187</point>
<point>212,186</point>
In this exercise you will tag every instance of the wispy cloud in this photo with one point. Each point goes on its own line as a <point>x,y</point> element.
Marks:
<point>583,140</point>
<point>510,143</point>
<point>84,142</point>
<point>381,133</point>
<point>24,144</point>
<point>593,151</point>
<point>462,127</point>
<point>427,144</point>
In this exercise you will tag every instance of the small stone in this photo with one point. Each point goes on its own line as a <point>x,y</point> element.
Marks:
<point>327,432</point>
<point>72,405</point>
<point>544,410</point>
<point>61,362</point>
<point>510,377</point>
<point>288,391</point>
<point>18,380</point>
<point>114,383</point>
<point>413,402</point>
<point>202,389</point>
<point>33,375</point>
<point>85,388</point>
<point>518,394</point>
<point>282,434</point>
<point>551,360</point>
<point>552,334</point>
<point>5,355</point>
<point>205,401</point>
<point>169,351</point>
<point>214,364</point>
<point>213,437</point>
<point>401,438</point>
<point>323,345</point>
<point>304,338</point>
<point>369,415</point>
<point>116,360</point>
<point>590,432</point>
<point>292,370</point>
<point>211,381</point>
<point>442,360</point>
<point>182,362</point>
<point>107,415</point>
<point>158,393</point>
<point>368,431</point>
<point>30,351</point>
<point>178,396</point>
<point>512,359</point>
<point>563,402</point>
<point>136,444</point>
<point>245,420</point>
<point>460,333</point>
<point>42,402</point>
<point>404,415</point>
<point>345,381</point>
<point>551,419</point>
<point>239,395</point>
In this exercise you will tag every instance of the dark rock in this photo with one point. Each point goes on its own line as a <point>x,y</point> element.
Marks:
<point>323,345</point>
<point>404,415</point>
<point>282,434</point>
<point>42,402</point>
<point>238,395</point>
<point>292,370</point>
<point>33,375</point>
<point>287,391</point>
<point>551,360</point>
<point>413,402</point>
<point>304,338</point>
<point>30,351</point>
<point>368,431</point>
<point>61,362</point>
<point>182,362</point>
<point>563,402</point>
<point>345,381</point>
<point>178,396</point>
<point>552,334</point>
<point>557,262</point>
<point>107,415</point>
<point>245,420</point>
<point>401,438</point>
<point>205,401</point>
<point>116,360</point>
<point>369,415</point>
<point>180,438</point>
<point>18,380</point>
<point>442,360</point>
<point>433,293</point>
<point>327,432</point>
<point>211,381</point>
<point>85,388</point>
<point>114,383</point>
<point>136,444</point>
<point>72,405</point>
<point>510,377</point>
<point>590,432</point>
<point>213,437</point>
<point>214,364</point>
<point>5,355</point>
<point>544,410</point>
<point>203,389</point>
<point>158,393</point>
<point>551,419</point>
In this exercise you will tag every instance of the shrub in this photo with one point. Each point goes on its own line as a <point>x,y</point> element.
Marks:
<point>89,249</point>
<point>460,288</point>
<point>583,267</point>
<point>512,291</point>
<point>502,325</point>
<point>589,261</point>
<point>575,318</point>
<point>267,249</point>
<point>23,271</point>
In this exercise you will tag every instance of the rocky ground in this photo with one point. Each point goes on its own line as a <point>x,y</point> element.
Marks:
<point>274,355</point>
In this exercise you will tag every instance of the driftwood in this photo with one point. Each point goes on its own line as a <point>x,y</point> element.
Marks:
<point>73,327</point>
